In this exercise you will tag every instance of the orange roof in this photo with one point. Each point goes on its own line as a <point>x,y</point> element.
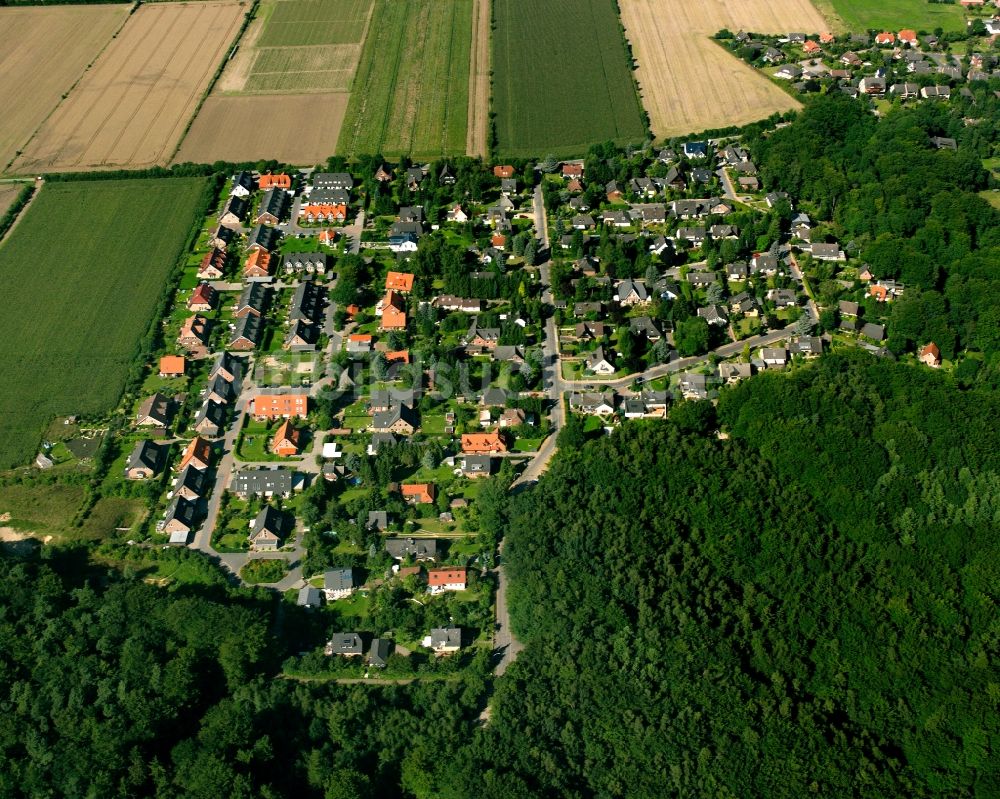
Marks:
<point>327,237</point>
<point>907,35</point>
<point>811,47</point>
<point>203,294</point>
<point>498,240</point>
<point>278,181</point>
<point>351,310</point>
<point>393,315</point>
<point>931,349</point>
<point>199,451</point>
<point>328,210</point>
<point>399,281</point>
<point>274,405</point>
<point>481,443</point>
<point>572,170</point>
<point>504,171</point>
<point>360,337</point>
<point>286,439</point>
<point>878,292</point>
<point>402,356</point>
<point>258,260</point>
<point>418,492</point>
<point>826,37</point>
<point>885,38</point>
<point>172,365</point>
<point>445,576</point>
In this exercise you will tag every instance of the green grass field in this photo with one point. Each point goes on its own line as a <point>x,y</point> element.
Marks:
<point>300,23</point>
<point>411,90</point>
<point>562,78</point>
<point>892,15</point>
<point>83,271</point>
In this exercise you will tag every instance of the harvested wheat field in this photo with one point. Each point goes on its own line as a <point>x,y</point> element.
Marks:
<point>132,106</point>
<point>295,128</point>
<point>688,82</point>
<point>46,50</point>
<point>479,80</point>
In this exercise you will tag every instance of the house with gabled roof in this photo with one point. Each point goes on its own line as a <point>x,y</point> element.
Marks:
<point>172,366</point>
<point>400,419</point>
<point>418,493</point>
<point>192,484</point>
<point>483,443</point>
<point>155,411</point>
<point>269,528</point>
<point>400,282</point>
<point>272,482</point>
<point>338,583</point>
<point>930,355</point>
<point>287,440</point>
<point>446,578</point>
<point>210,419</point>
<point>213,265</point>
<point>599,363</point>
<point>233,212</point>
<point>263,237</point>
<point>279,406</point>
<point>179,520</point>
<point>202,298</point>
<point>258,266</point>
<point>274,181</point>
<point>393,312</point>
<point>247,334</point>
<point>221,237</point>
<point>193,333</point>
<point>145,461</point>
<point>197,454</point>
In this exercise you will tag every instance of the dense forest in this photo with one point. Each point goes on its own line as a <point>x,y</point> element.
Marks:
<point>804,607</point>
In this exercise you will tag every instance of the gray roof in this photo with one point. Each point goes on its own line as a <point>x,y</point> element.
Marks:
<point>446,637</point>
<point>182,511</point>
<point>261,481</point>
<point>275,202</point>
<point>477,464</point>
<point>418,548</point>
<point>378,655</point>
<point>249,327</point>
<point>332,180</point>
<point>338,579</point>
<point>627,288</point>
<point>270,520</point>
<point>145,454</point>
<point>301,260</point>
<point>345,644</point>
<point>193,480</point>
<point>228,363</point>
<point>385,419</point>
<point>494,396</point>
<point>252,298</point>
<point>307,303</point>
<point>873,331</point>
<point>377,520</point>
<point>264,236</point>
<point>309,597</point>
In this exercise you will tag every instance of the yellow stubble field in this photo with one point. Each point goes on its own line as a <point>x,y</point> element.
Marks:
<point>688,82</point>
<point>131,107</point>
<point>46,50</point>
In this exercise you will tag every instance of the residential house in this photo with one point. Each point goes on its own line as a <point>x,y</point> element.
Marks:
<point>715,315</point>
<point>393,312</point>
<point>202,298</point>
<point>399,419</point>
<point>445,639</point>
<point>738,270</point>
<point>493,397</point>
<point>243,184</point>
<point>220,390</point>
<point>155,411</point>
<point>593,403</point>
<point>572,169</point>
<point>401,282</point>
<point>269,528</point>
<point>378,655</point>
<point>272,482</point>
<point>644,326</point>
<point>192,484</point>
<point>446,578</point>
<point>935,92</point>
<point>418,493</point>
<point>693,385</point>
<point>247,334</point>
<point>179,520</point>
<point>378,520</point>
<point>585,331</point>
<point>274,207</point>
<point>213,265</point>
<point>145,461</point>
<point>774,356</point>
<point>449,302</point>
<point>848,308</point>
<point>730,373</point>
<point>172,366</point>
<point>233,212</point>
<point>904,91</point>
<point>930,354</point>
<point>783,298</point>
<point>210,419</point>
<point>311,597</point>
<point>228,366</point>
<point>301,337</point>
<point>322,212</point>
<point>908,36</point>
<point>630,292</point>
<point>359,343</point>
<point>258,266</point>
<point>508,353</point>
<point>789,72</point>
<point>503,171</point>
<point>287,440</point>
<point>416,548</point>
<point>476,466</point>
<point>483,338</point>
<point>598,363</point>
<point>695,149</point>
<point>827,252</point>
<point>693,235</point>
<point>873,331</point>
<point>806,346</point>
<point>335,180</point>
<point>702,279</point>
<point>613,191</point>
<point>279,406</point>
<point>221,237</point>
<point>263,237</point>
<point>252,301</point>
<point>276,181</point>
<point>308,262</point>
<point>483,443</point>
<point>338,583</point>
<point>194,333</point>
<point>197,454</point>
<point>457,214</point>
<point>512,417</point>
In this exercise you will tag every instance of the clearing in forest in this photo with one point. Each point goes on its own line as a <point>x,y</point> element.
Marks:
<point>562,78</point>
<point>99,281</point>
<point>412,85</point>
<point>132,106</point>
<point>46,50</point>
<point>688,82</point>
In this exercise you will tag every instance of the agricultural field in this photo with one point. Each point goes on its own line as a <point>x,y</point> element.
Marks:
<point>75,305</point>
<point>860,15</point>
<point>131,108</point>
<point>8,193</point>
<point>562,77</point>
<point>299,46</point>
<point>46,50</point>
<point>299,129</point>
<point>414,71</point>
<point>688,83</point>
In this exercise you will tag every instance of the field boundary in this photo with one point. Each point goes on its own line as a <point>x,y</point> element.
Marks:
<point>247,19</point>
<point>133,7</point>
<point>16,210</point>
<point>480,73</point>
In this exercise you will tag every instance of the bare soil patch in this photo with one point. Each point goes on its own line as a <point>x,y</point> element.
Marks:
<point>299,128</point>
<point>688,82</point>
<point>46,50</point>
<point>131,108</point>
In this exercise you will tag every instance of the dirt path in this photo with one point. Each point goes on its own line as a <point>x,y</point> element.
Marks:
<point>479,80</point>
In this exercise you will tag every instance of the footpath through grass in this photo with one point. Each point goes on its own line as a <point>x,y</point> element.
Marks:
<point>83,271</point>
<point>562,78</point>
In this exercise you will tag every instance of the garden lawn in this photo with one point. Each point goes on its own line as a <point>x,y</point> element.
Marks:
<point>83,273</point>
<point>562,78</point>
